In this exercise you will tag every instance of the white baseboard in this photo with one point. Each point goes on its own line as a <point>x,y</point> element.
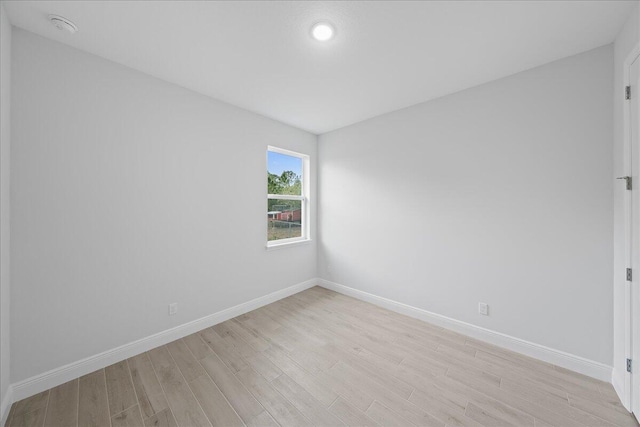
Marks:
<point>575,363</point>
<point>5,405</point>
<point>57,376</point>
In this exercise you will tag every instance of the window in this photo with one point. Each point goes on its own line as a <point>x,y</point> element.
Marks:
<point>287,197</point>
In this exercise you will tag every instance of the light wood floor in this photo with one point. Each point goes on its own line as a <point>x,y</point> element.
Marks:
<point>321,358</point>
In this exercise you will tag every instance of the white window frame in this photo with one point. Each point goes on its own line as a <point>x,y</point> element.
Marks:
<point>303,198</point>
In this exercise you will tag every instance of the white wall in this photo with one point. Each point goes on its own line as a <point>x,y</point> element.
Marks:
<point>5,90</point>
<point>127,194</point>
<point>628,38</point>
<point>500,193</point>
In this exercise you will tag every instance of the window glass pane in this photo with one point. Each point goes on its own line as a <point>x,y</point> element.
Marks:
<point>284,174</point>
<point>284,219</point>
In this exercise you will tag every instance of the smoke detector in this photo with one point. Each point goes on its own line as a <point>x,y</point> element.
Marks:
<point>63,24</point>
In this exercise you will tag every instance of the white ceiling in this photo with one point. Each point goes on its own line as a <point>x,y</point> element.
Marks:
<point>385,56</point>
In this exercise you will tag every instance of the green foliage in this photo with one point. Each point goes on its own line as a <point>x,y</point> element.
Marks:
<point>286,183</point>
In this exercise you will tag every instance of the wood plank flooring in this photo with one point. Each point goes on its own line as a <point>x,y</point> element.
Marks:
<point>321,358</point>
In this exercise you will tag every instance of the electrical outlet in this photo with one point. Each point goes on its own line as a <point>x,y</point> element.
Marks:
<point>483,308</point>
<point>173,308</point>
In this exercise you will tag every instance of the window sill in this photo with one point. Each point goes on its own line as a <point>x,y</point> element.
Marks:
<point>274,246</point>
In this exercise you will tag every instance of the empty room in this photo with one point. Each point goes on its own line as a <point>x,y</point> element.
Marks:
<point>328,213</point>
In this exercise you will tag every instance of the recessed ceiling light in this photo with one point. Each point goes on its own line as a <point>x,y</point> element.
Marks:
<point>63,24</point>
<point>322,31</point>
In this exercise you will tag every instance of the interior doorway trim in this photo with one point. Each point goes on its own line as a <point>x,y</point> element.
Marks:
<point>624,389</point>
